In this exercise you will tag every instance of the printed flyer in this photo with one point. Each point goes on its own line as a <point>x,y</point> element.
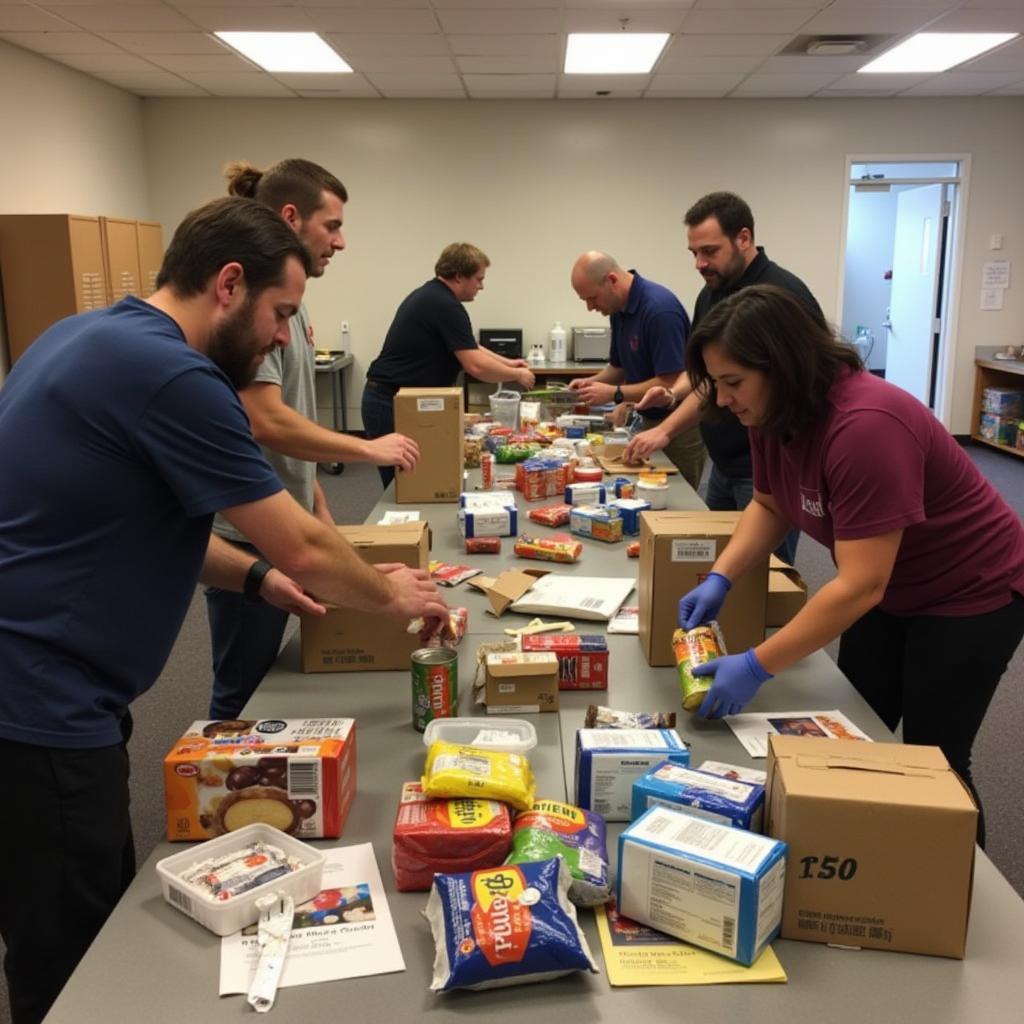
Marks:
<point>753,730</point>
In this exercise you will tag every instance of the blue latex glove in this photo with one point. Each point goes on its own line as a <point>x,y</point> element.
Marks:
<point>737,677</point>
<point>704,602</point>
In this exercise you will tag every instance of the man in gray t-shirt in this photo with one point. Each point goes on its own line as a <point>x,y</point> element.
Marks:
<point>281,403</point>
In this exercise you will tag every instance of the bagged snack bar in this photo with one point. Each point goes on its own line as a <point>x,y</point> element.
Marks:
<point>453,770</point>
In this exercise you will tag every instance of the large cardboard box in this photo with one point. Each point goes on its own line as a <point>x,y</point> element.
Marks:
<point>787,593</point>
<point>677,551</point>
<point>881,844</point>
<point>345,640</point>
<point>432,417</point>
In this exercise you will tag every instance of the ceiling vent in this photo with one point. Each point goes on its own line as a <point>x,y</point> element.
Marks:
<point>835,45</point>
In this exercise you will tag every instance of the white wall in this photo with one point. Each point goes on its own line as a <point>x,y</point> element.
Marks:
<point>71,144</point>
<point>534,183</point>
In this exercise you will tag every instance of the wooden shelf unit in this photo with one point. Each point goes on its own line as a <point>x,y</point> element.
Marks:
<point>991,373</point>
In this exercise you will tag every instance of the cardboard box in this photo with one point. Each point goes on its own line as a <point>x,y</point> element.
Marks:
<point>298,775</point>
<point>881,844</point>
<point>521,683</point>
<point>432,417</point>
<point>787,593</point>
<point>677,551</point>
<point>708,884</point>
<point>582,659</point>
<point>703,794</point>
<point>345,640</point>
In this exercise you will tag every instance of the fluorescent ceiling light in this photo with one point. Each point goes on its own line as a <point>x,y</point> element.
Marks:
<point>613,53</point>
<point>936,51</point>
<point>286,51</point>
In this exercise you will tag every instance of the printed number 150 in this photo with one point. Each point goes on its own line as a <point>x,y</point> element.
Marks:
<point>828,867</point>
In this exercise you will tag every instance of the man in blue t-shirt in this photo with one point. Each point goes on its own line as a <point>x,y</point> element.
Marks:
<point>649,331</point>
<point>121,434</point>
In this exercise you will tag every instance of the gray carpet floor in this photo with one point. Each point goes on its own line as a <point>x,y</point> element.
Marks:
<point>181,695</point>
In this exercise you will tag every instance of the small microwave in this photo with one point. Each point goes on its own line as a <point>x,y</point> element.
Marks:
<point>591,344</point>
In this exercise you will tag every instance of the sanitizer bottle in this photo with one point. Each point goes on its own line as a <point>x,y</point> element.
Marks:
<point>556,343</point>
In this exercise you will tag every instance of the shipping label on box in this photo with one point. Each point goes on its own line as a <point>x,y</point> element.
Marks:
<point>717,887</point>
<point>881,839</point>
<point>347,640</point>
<point>609,761</point>
<point>433,418</point>
<point>702,794</point>
<point>582,659</point>
<point>298,775</point>
<point>677,551</point>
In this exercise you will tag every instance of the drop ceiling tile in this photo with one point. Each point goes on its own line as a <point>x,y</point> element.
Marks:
<point>499,21</point>
<point>612,94</point>
<point>812,65</point>
<point>404,63</point>
<point>550,45</point>
<point>383,44</point>
<point>964,83</point>
<point>399,85</point>
<point>60,42</point>
<point>348,84</point>
<point>745,5</point>
<point>590,83</point>
<point>1017,89</point>
<point>27,18</point>
<point>249,19</point>
<point>334,94</point>
<point>209,63</point>
<point>525,5</point>
<point>400,22</point>
<point>748,22</point>
<point>253,84</point>
<point>784,85</point>
<point>131,18</point>
<point>513,65</point>
<point>99,62</point>
<point>894,20</point>
<point>857,83</point>
<point>166,42</point>
<point>511,85</point>
<point>155,83</point>
<point>688,63</point>
<point>610,21</point>
<point>1007,58</point>
<point>729,45</point>
<point>706,83</point>
<point>1004,20</point>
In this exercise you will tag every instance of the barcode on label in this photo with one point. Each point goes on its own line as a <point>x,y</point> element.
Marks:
<point>728,931</point>
<point>303,778</point>
<point>181,900</point>
<point>591,602</point>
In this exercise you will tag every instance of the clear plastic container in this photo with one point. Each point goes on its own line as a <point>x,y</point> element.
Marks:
<point>512,735</point>
<point>505,408</point>
<point>232,915</point>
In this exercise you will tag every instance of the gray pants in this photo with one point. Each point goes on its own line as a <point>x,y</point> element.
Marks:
<point>686,452</point>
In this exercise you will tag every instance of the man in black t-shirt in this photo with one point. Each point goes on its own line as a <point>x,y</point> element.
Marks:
<point>431,339</point>
<point>720,234</point>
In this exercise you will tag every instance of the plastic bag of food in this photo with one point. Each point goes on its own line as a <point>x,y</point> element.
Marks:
<point>600,717</point>
<point>453,770</point>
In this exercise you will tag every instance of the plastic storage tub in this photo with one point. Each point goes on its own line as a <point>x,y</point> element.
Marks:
<point>232,915</point>
<point>505,408</point>
<point>512,735</point>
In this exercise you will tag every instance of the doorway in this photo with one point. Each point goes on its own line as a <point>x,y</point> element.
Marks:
<point>899,268</point>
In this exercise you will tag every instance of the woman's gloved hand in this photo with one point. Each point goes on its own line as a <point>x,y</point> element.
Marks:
<point>737,677</point>
<point>704,602</point>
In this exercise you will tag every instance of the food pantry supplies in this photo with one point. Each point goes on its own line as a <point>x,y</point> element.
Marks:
<point>582,659</point>
<point>298,775</point>
<point>505,926</point>
<point>551,515</point>
<point>584,494</point>
<point>554,829</point>
<point>599,717</point>
<point>453,770</point>
<point>599,522</point>
<point>703,794</point>
<point>608,761</point>
<point>693,647</point>
<point>488,521</point>
<point>447,836</point>
<point>629,510</point>
<point>714,886</point>
<point>556,547</point>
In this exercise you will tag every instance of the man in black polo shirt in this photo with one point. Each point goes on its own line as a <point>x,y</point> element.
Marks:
<point>431,339</point>
<point>720,234</point>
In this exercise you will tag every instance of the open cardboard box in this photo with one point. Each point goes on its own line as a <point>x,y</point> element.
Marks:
<point>506,587</point>
<point>787,593</point>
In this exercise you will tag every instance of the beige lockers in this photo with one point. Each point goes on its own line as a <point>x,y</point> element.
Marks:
<point>55,265</point>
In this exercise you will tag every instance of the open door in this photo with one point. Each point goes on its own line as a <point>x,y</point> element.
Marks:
<point>914,327</point>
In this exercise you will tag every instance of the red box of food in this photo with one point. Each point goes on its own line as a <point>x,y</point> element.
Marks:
<point>448,836</point>
<point>582,660</point>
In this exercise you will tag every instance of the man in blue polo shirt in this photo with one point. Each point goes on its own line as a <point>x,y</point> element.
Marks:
<point>649,331</point>
<point>121,434</point>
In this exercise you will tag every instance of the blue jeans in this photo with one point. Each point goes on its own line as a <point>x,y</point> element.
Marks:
<point>378,420</point>
<point>245,637</point>
<point>728,494</point>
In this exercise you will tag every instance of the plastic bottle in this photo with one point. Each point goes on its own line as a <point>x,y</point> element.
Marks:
<point>556,342</point>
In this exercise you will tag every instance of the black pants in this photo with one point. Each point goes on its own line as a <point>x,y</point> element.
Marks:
<point>379,419</point>
<point>66,858</point>
<point>937,673</point>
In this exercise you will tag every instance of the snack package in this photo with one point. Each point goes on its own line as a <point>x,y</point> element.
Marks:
<point>599,717</point>
<point>551,515</point>
<point>559,547</point>
<point>222,878</point>
<point>445,836</point>
<point>452,633</point>
<point>452,575</point>
<point>453,770</point>
<point>696,647</point>
<point>554,829</point>
<point>505,926</point>
<point>633,549</point>
<point>471,449</point>
<point>508,453</point>
<point>483,545</point>
<point>599,522</point>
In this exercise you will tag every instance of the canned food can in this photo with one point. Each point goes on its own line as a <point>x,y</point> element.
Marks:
<point>487,470</point>
<point>435,685</point>
<point>692,648</point>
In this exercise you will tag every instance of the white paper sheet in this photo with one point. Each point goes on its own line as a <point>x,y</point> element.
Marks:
<point>575,597</point>
<point>346,931</point>
<point>753,730</point>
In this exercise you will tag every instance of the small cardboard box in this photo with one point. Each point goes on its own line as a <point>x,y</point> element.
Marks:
<point>345,640</point>
<point>582,658</point>
<point>702,794</point>
<point>881,844</point>
<point>677,551</point>
<point>521,683</point>
<point>298,775</point>
<point>787,593</point>
<point>432,417</point>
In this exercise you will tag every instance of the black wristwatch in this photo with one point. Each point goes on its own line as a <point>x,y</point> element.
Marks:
<point>618,396</point>
<point>254,579</point>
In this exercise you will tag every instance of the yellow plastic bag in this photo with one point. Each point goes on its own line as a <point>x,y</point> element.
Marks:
<point>453,770</point>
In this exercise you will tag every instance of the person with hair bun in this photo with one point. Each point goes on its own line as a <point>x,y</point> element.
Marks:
<point>928,596</point>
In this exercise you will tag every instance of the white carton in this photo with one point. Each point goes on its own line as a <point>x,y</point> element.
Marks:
<point>714,886</point>
<point>232,915</point>
<point>609,761</point>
